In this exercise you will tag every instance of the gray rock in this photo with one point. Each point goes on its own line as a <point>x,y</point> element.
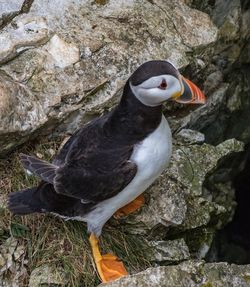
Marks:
<point>227,16</point>
<point>60,53</point>
<point>47,276</point>
<point>190,136</point>
<point>10,6</point>
<point>8,10</point>
<point>230,53</point>
<point>72,59</point>
<point>64,63</point>
<point>234,102</point>
<point>207,114</point>
<point>212,82</point>
<point>245,24</point>
<point>165,207</point>
<point>188,274</point>
<point>170,251</point>
<point>7,250</point>
<point>28,32</point>
<point>18,118</point>
<point>176,198</point>
<point>12,269</point>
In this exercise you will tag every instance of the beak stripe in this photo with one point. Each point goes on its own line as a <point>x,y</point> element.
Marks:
<point>198,96</point>
<point>191,94</point>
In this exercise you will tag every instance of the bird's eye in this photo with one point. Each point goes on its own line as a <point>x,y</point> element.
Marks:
<point>163,85</point>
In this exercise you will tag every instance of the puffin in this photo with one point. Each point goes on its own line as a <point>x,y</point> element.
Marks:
<point>105,166</point>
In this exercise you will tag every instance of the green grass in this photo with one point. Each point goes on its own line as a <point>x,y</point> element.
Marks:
<point>53,241</point>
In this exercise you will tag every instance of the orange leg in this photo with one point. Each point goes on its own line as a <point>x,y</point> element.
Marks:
<point>130,207</point>
<point>108,266</point>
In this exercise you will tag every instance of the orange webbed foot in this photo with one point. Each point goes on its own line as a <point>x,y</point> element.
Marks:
<point>108,266</point>
<point>130,207</point>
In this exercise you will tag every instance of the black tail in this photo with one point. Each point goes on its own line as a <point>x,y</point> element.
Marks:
<point>42,198</point>
<point>24,202</point>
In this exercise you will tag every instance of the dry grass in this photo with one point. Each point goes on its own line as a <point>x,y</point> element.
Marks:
<point>50,240</point>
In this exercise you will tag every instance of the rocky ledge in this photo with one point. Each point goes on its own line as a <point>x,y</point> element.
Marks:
<point>188,274</point>
<point>69,61</point>
<point>61,64</point>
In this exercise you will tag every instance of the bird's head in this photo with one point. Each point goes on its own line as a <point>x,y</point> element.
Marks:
<point>155,82</point>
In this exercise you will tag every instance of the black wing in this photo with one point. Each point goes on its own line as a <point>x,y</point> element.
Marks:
<point>94,185</point>
<point>92,166</point>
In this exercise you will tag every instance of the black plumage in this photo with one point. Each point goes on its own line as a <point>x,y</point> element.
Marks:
<point>94,163</point>
<point>149,69</point>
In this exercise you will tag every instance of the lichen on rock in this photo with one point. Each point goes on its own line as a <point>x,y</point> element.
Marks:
<point>66,62</point>
<point>180,207</point>
<point>47,276</point>
<point>170,251</point>
<point>189,273</point>
<point>59,53</point>
<point>176,199</point>
<point>12,268</point>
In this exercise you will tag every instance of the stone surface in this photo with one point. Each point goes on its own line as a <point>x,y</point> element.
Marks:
<point>190,136</point>
<point>18,117</point>
<point>73,58</point>
<point>8,10</point>
<point>226,72</point>
<point>28,32</point>
<point>188,274</point>
<point>170,251</point>
<point>10,6</point>
<point>12,269</point>
<point>208,113</point>
<point>47,276</point>
<point>62,54</point>
<point>212,82</point>
<point>227,16</point>
<point>177,198</point>
<point>64,62</point>
<point>190,22</point>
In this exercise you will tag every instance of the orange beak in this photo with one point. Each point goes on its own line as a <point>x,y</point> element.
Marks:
<point>191,93</point>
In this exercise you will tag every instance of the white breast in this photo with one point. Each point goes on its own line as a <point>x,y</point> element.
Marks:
<point>151,157</point>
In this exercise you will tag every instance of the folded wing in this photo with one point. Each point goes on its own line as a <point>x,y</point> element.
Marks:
<point>46,171</point>
<point>83,182</point>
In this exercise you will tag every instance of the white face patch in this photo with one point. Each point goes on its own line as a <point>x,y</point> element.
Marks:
<point>150,92</point>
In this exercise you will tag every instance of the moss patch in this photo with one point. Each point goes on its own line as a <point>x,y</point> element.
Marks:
<point>207,284</point>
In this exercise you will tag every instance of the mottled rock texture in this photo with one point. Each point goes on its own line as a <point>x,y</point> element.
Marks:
<point>11,262</point>
<point>69,59</point>
<point>46,276</point>
<point>188,274</point>
<point>177,197</point>
<point>180,206</point>
<point>226,73</point>
<point>170,251</point>
<point>65,62</point>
